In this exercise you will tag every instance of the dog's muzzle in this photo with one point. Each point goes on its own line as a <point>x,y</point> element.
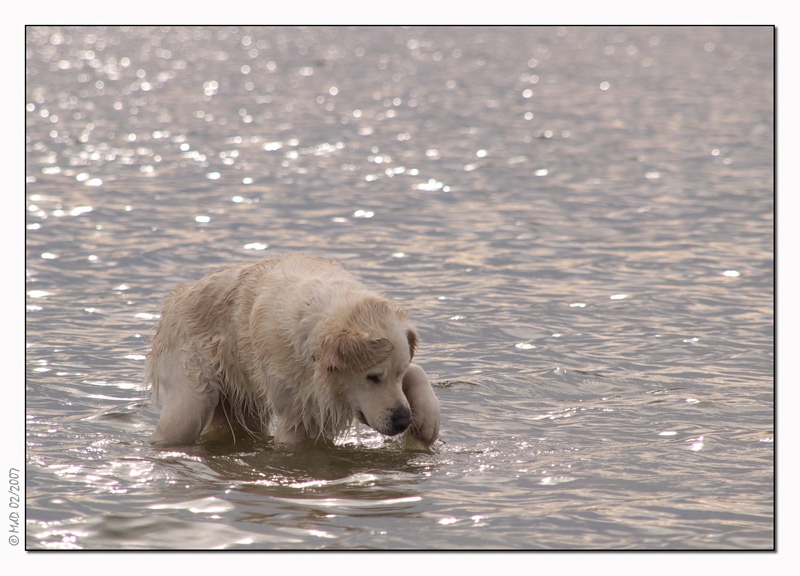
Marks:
<point>401,419</point>
<point>398,421</point>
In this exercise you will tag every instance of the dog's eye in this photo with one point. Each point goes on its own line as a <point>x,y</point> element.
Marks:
<point>374,378</point>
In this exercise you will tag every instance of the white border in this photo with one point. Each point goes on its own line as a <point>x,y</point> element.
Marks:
<point>410,12</point>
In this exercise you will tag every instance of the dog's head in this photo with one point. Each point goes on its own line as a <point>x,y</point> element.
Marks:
<point>366,352</point>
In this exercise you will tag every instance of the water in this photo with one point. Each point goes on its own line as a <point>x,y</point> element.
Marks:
<point>580,220</point>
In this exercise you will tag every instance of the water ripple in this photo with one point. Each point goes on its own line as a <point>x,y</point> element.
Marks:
<point>583,234</point>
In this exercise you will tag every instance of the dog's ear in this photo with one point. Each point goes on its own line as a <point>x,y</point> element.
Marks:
<point>413,340</point>
<point>350,351</point>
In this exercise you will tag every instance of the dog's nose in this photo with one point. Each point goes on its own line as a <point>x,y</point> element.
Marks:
<point>401,419</point>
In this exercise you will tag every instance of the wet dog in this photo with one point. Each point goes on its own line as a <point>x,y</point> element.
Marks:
<point>295,342</point>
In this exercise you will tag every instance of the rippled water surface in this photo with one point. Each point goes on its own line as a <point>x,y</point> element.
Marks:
<point>579,219</point>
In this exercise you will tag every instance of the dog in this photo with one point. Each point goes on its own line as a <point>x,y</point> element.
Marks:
<point>295,342</point>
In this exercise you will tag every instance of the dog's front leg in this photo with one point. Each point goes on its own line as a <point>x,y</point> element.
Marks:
<point>290,434</point>
<point>424,405</point>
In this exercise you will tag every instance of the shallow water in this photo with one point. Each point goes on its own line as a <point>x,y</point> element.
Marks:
<point>580,220</point>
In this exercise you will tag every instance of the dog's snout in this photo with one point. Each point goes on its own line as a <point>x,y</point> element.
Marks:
<point>401,419</point>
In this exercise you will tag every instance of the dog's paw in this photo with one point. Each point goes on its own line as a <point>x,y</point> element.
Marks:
<point>424,406</point>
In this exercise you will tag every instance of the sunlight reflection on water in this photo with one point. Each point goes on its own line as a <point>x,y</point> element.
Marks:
<point>581,229</point>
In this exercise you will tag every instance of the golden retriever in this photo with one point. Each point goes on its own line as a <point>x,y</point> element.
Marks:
<point>295,342</point>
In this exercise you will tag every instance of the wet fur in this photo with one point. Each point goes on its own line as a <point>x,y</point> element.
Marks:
<point>293,341</point>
